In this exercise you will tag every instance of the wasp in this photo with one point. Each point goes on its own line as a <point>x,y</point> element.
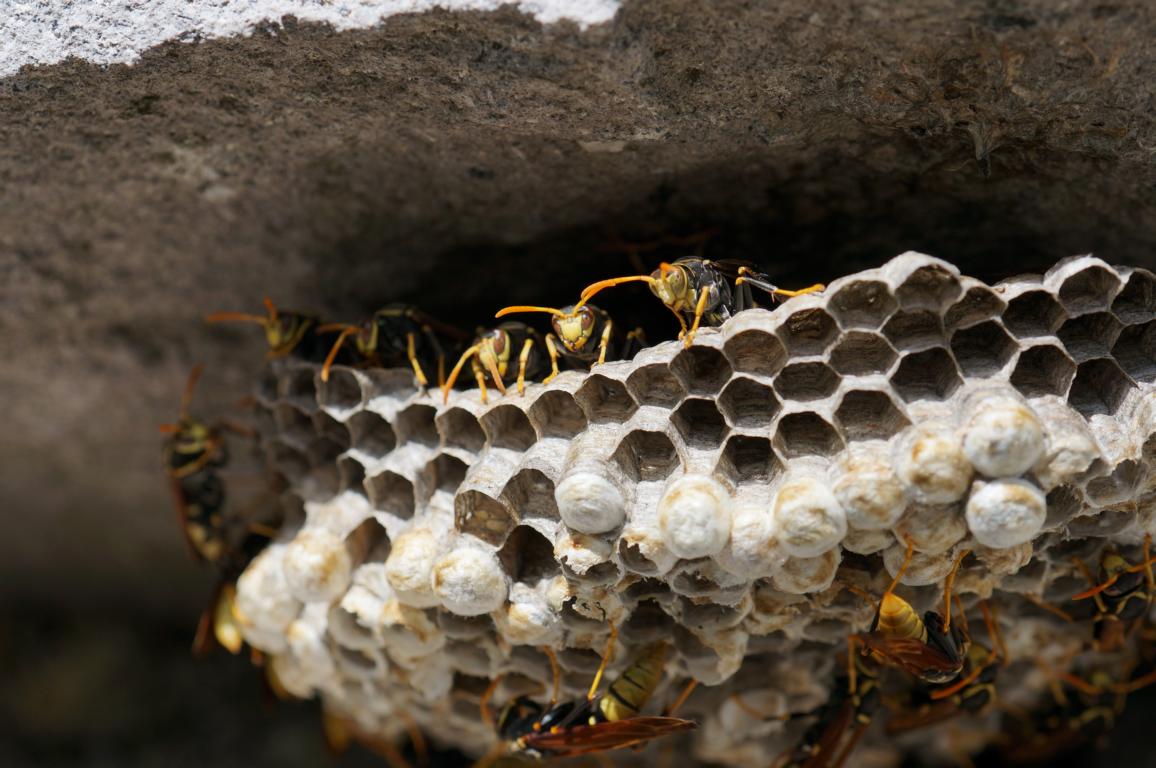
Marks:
<point>1122,596</point>
<point>286,332</point>
<point>341,732</point>
<point>703,290</point>
<point>841,721</point>
<point>972,693</point>
<point>399,334</point>
<point>594,724</point>
<point>577,326</point>
<point>930,649</point>
<point>193,453</point>
<point>493,352</point>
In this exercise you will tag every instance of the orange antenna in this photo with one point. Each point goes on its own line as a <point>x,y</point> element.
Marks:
<point>346,331</point>
<point>268,320</point>
<point>948,583</point>
<point>456,370</point>
<point>601,285</point>
<point>190,385</point>
<point>521,308</point>
<point>271,309</point>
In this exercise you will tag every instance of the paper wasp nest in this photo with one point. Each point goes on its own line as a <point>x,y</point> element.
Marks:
<point>715,496</point>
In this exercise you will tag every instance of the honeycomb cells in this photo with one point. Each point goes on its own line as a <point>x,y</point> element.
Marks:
<point>714,496</point>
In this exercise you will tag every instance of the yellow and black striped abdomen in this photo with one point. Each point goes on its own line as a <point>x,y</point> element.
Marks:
<point>629,693</point>
<point>898,619</point>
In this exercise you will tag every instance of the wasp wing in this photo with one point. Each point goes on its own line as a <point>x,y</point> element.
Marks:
<point>911,655</point>
<point>584,739</point>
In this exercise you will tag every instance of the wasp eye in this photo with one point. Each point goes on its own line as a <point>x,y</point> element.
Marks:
<point>587,318</point>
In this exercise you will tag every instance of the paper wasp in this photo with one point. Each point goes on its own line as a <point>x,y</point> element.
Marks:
<point>841,721</point>
<point>397,335</point>
<point>1122,596</point>
<point>493,352</point>
<point>698,290</point>
<point>286,332</point>
<point>575,328</point>
<point>972,693</point>
<point>593,724</point>
<point>929,649</point>
<point>192,454</point>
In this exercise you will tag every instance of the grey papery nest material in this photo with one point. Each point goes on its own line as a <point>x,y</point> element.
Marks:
<point>715,497</point>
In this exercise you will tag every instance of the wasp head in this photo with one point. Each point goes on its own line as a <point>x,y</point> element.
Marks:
<point>494,350</point>
<point>574,327</point>
<point>671,284</point>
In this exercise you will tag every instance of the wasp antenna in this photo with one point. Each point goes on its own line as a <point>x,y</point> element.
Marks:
<point>555,673</point>
<point>902,569</point>
<point>601,285</point>
<point>333,327</point>
<point>333,352</point>
<point>236,317</point>
<point>1096,589</point>
<point>271,308</point>
<point>190,385</point>
<point>453,377</point>
<point>170,429</point>
<point>492,366</point>
<point>511,310</point>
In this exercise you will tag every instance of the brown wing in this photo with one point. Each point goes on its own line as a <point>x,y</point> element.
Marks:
<point>909,654</point>
<point>583,739</point>
<point>827,747</point>
<point>931,714</point>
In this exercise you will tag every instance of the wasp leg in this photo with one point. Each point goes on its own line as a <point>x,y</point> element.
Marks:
<point>436,346</point>
<point>527,348</point>
<point>604,343</point>
<point>484,705</point>
<point>1050,608</point>
<point>481,378</point>
<point>687,690</point>
<point>411,355</point>
<point>457,369</point>
<point>760,282</point>
<point>948,583</point>
<point>699,308</point>
<point>552,351</point>
<point>607,654</point>
<point>635,343</point>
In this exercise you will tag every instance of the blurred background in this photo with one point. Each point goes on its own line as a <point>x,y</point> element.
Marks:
<point>463,162</point>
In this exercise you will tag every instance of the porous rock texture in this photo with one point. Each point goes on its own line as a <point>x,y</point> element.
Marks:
<point>740,483</point>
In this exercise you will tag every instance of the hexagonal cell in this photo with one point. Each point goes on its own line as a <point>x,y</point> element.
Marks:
<point>1089,336</point>
<point>293,425</point>
<point>461,429</point>
<point>1137,302</point>
<point>371,434</point>
<point>1100,387</point>
<point>690,582</point>
<point>1119,486</point>
<point>1033,313</point>
<point>531,493</point>
<point>982,350</point>
<point>862,304</point>
<point>915,330</point>
<point>1107,523</point>
<point>368,543</point>
<point>444,473</point>
<point>528,557</point>
<point>327,426</point>
<point>1089,290</point>
<point>646,456</point>
<point>342,392</point>
<point>806,381</point>
<point>351,475</point>
<point>323,452</point>
<point>1135,351</point>
<point>507,426</point>
<point>297,387</point>
<point>287,460</point>
<point>748,404</point>
<point>979,303</point>
<point>634,561</point>
<point>267,388</point>
<point>808,332</point>
<point>930,374</point>
<point>605,400</point>
<point>415,424</point>
<point>655,385</point>
<point>755,352</point>
<point>392,493</point>
<point>556,414</point>
<point>702,370</point>
<point>747,459</point>
<point>486,518</point>
<point>602,574</point>
<point>700,423</point>
<point>806,434</point>
<point>932,287</point>
<point>1043,370</point>
<point>648,623</point>
<point>869,415</point>
<point>860,353</point>
<point>458,627</point>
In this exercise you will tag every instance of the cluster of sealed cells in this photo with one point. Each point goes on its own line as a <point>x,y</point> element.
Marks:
<point>712,496</point>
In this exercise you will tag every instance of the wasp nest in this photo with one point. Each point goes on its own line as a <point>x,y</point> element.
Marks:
<point>715,496</point>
